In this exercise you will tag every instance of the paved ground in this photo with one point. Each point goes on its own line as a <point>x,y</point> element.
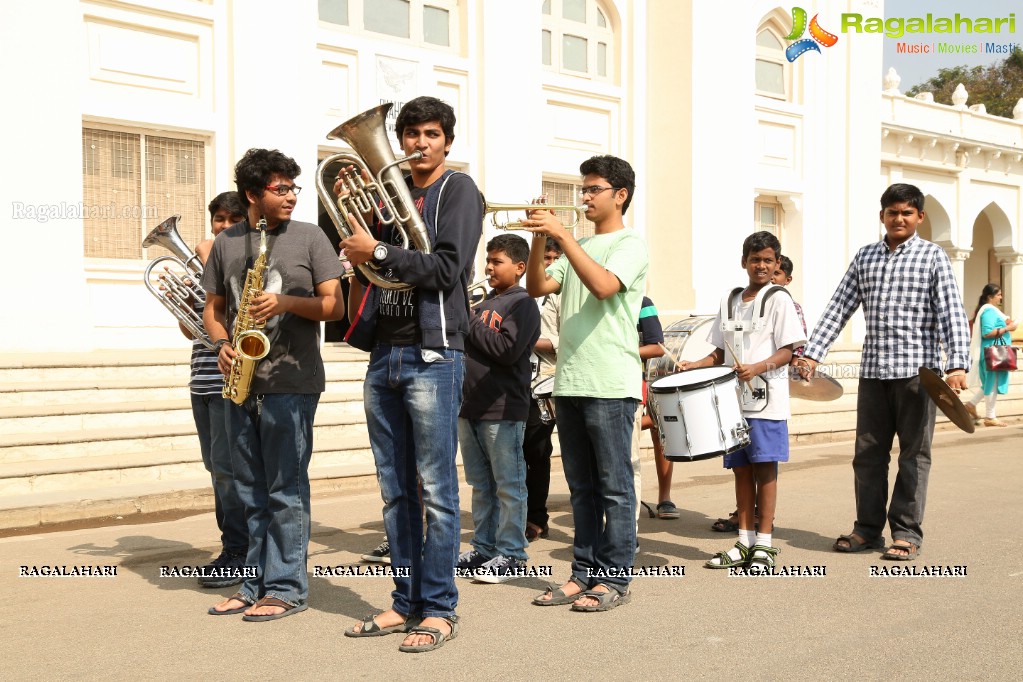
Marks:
<point>703,625</point>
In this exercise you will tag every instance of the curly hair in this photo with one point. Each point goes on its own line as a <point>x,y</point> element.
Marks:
<point>254,171</point>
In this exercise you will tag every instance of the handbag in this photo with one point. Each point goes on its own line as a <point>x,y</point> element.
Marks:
<point>1000,357</point>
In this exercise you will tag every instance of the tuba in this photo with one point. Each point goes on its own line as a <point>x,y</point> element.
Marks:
<point>248,339</point>
<point>385,195</point>
<point>177,291</point>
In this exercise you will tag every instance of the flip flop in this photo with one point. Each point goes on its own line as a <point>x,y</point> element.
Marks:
<point>289,610</point>
<point>912,552</point>
<point>605,600</point>
<point>230,612</point>
<point>370,628</point>
<point>438,637</point>
<point>856,545</point>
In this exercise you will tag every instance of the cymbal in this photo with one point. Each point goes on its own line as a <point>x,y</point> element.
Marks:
<point>944,396</point>
<point>819,388</point>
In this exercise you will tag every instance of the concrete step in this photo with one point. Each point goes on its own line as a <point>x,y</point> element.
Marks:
<point>88,473</point>
<point>344,419</point>
<point>34,419</point>
<point>175,495</point>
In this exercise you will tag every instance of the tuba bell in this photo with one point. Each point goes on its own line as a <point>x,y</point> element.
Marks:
<point>177,291</point>
<point>385,195</point>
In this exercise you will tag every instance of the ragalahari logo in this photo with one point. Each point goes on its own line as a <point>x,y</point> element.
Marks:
<point>817,35</point>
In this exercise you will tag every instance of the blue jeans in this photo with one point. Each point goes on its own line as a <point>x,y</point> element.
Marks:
<point>596,445</point>
<point>272,443</point>
<point>494,467</point>
<point>412,414</point>
<point>211,425</point>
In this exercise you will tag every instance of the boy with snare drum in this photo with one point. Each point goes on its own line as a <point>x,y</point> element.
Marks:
<point>759,328</point>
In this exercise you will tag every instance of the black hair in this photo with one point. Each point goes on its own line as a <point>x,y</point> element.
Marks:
<point>990,289</point>
<point>255,169</point>
<point>785,265</point>
<point>512,244</point>
<point>553,245</point>
<point>616,171</point>
<point>422,110</point>
<point>758,241</point>
<point>228,201</point>
<point>902,193</point>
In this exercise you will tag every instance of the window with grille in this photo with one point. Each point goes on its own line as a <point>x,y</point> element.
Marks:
<point>132,182</point>
<point>561,193</point>
<point>423,22</point>
<point>577,39</point>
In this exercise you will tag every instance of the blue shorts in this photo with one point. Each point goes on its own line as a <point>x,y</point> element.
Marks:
<point>768,442</point>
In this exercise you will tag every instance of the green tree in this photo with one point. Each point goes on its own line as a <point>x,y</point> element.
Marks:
<point>998,86</point>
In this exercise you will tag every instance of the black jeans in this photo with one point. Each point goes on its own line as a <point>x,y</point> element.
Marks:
<point>537,450</point>
<point>884,409</point>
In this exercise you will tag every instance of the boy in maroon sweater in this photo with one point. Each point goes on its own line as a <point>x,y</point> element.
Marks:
<point>495,404</point>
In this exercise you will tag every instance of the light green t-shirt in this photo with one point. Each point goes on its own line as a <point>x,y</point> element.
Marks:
<point>598,352</point>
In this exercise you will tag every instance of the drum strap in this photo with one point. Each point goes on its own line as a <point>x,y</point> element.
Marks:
<point>754,394</point>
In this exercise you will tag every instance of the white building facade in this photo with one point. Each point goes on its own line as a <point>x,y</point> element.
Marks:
<point>128,112</point>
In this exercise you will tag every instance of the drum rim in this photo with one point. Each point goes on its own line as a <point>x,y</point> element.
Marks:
<point>704,383</point>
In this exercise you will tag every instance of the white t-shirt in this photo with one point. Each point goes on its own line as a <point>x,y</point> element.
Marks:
<point>781,328</point>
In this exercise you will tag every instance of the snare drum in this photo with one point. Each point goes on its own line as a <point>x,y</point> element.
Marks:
<point>685,339</point>
<point>542,389</point>
<point>698,414</point>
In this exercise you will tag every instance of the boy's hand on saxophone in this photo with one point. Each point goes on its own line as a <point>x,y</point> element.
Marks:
<point>268,305</point>
<point>226,357</point>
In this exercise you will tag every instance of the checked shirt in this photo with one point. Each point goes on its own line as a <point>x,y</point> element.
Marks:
<point>910,301</point>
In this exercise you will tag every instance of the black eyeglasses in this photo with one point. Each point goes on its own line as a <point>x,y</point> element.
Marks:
<point>282,190</point>
<point>592,190</point>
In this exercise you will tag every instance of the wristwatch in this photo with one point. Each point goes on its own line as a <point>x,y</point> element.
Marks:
<point>379,252</point>
<point>218,344</point>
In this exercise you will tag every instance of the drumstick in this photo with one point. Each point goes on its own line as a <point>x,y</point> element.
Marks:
<point>736,359</point>
<point>670,355</point>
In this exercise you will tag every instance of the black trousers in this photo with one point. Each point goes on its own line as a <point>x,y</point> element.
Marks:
<point>537,450</point>
<point>885,409</point>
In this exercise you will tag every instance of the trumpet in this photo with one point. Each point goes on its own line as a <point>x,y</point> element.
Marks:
<point>175,291</point>
<point>481,285</point>
<point>496,209</point>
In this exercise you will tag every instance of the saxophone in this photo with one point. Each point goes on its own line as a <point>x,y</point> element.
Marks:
<point>250,343</point>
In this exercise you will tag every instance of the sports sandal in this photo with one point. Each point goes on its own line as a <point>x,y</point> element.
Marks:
<point>605,600</point>
<point>438,637</point>
<point>913,551</point>
<point>761,559</point>
<point>856,544</point>
<point>667,510</point>
<point>289,610</point>
<point>557,595</point>
<point>370,628</point>
<point>230,612</point>
<point>727,561</point>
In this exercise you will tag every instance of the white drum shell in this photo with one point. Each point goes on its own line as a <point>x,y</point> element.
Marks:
<point>699,414</point>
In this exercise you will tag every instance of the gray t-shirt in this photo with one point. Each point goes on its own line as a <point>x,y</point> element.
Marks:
<point>300,258</point>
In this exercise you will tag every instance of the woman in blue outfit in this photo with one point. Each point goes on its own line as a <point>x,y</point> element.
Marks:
<point>990,326</point>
